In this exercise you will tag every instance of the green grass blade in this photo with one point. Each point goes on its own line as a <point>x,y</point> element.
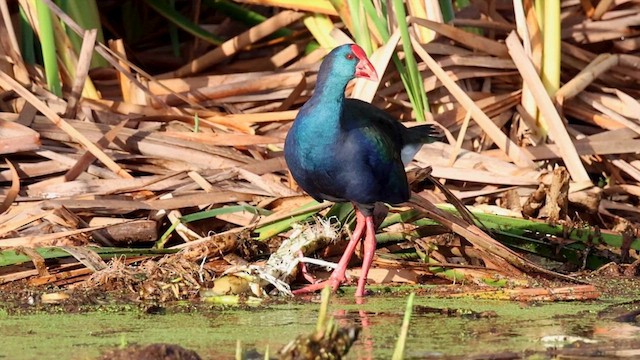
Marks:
<point>524,227</point>
<point>398,353</point>
<point>196,123</point>
<point>379,21</point>
<point>360,26</point>
<point>182,22</point>
<point>416,86</point>
<point>28,43</point>
<point>521,234</point>
<point>15,257</point>
<point>202,215</point>
<point>173,33</point>
<point>573,253</point>
<point>446,8</point>
<point>243,15</point>
<point>48,46</point>
<point>325,296</point>
<point>273,229</point>
<point>342,212</point>
<point>87,15</point>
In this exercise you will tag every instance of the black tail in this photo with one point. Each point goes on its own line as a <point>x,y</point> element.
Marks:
<point>422,134</point>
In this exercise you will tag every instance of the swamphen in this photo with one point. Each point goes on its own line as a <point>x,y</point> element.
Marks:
<point>343,150</point>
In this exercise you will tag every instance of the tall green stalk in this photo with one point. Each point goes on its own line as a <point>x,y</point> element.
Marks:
<point>182,22</point>
<point>361,28</point>
<point>173,33</point>
<point>28,39</point>
<point>87,15</point>
<point>48,45</point>
<point>243,15</point>
<point>419,102</point>
<point>398,353</point>
<point>551,46</point>
<point>409,73</point>
<point>446,7</point>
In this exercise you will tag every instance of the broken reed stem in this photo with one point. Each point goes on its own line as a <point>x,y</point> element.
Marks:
<point>473,41</point>
<point>14,190</point>
<point>597,67</point>
<point>460,140</point>
<point>82,71</point>
<point>87,158</point>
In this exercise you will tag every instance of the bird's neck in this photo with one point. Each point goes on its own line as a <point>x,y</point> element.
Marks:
<point>329,89</point>
<point>319,119</point>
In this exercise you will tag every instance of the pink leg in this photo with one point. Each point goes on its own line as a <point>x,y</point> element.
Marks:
<point>369,251</point>
<point>338,275</point>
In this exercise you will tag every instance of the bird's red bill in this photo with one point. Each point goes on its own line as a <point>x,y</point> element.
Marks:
<point>364,68</point>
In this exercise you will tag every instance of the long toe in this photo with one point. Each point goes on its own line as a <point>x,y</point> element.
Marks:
<point>333,282</point>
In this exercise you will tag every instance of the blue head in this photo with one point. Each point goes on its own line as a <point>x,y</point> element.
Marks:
<point>344,63</point>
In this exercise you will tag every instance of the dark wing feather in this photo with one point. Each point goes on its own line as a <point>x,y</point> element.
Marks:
<point>385,123</point>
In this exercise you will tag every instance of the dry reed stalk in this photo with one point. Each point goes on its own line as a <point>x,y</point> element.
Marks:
<point>511,149</point>
<point>598,66</point>
<point>470,40</point>
<point>8,82</point>
<point>461,135</point>
<point>552,118</point>
<point>552,151</point>
<point>260,84</point>
<point>87,158</point>
<point>235,156</point>
<point>43,240</point>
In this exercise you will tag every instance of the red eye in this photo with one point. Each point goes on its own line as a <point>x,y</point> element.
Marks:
<point>349,56</point>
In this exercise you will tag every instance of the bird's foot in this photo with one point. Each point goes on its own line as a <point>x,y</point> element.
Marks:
<point>334,283</point>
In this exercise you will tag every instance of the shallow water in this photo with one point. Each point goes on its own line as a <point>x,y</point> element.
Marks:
<point>212,331</point>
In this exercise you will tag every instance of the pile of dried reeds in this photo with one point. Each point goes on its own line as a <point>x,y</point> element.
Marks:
<point>192,157</point>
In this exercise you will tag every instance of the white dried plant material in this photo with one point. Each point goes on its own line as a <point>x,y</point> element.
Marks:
<point>283,264</point>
